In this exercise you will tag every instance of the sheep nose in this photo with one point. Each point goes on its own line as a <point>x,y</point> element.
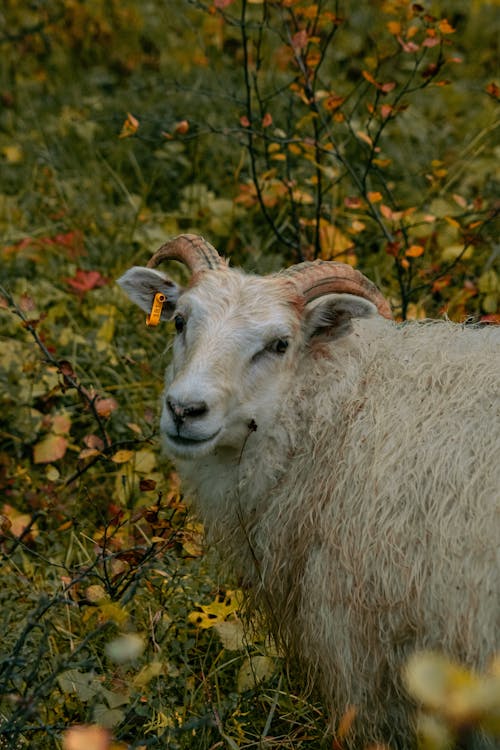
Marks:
<point>180,411</point>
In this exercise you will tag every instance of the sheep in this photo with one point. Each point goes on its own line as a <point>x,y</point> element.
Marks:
<point>347,467</point>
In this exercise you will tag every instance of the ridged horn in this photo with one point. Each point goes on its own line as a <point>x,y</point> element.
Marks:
<point>319,277</point>
<point>192,250</point>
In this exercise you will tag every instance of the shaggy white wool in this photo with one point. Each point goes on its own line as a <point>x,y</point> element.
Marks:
<point>367,519</point>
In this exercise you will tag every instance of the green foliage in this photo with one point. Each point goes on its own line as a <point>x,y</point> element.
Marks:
<point>282,130</point>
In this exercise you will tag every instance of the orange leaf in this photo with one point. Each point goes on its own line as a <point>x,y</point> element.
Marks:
<point>129,127</point>
<point>445,27</point>
<point>374,196</point>
<point>415,251</point>
<point>181,127</point>
<point>386,212</point>
<point>267,120</point>
<point>89,737</point>
<point>368,76</point>
<point>333,102</point>
<point>104,406</point>
<point>394,27</point>
<point>244,121</point>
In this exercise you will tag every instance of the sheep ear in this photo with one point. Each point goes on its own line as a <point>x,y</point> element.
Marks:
<point>141,284</point>
<point>331,316</point>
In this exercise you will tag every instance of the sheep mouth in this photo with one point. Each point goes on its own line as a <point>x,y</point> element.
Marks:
<point>190,445</point>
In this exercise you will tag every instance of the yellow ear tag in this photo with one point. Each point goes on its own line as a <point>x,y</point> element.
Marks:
<point>154,317</point>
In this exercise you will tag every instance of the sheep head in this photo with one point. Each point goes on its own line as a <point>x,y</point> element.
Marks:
<point>241,337</point>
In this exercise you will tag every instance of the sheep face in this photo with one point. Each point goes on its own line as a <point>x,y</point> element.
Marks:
<point>233,354</point>
<point>239,341</point>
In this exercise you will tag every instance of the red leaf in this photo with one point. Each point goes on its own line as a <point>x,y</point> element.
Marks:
<point>493,90</point>
<point>408,46</point>
<point>300,40</point>
<point>181,127</point>
<point>267,120</point>
<point>83,281</point>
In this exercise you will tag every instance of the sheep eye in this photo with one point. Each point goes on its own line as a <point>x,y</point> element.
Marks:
<point>179,323</point>
<point>279,346</point>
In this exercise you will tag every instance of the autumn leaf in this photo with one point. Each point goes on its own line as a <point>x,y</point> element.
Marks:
<point>267,120</point>
<point>129,127</point>
<point>122,456</point>
<point>415,251</point>
<point>300,40</point>
<point>333,102</point>
<point>394,27</point>
<point>17,523</point>
<point>51,448</point>
<point>84,281</point>
<point>86,737</point>
<point>408,47</point>
<point>353,202</point>
<point>445,27</point>
<point>105,406</point>
<point>182,127</point>
<point>493,89</point>
<point>13,154</point>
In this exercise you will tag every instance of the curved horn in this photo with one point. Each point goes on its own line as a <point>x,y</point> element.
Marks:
<point>192,250</point>
<point>319,277</point>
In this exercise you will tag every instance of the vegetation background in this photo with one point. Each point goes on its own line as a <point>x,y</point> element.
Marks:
<point>282,130</point>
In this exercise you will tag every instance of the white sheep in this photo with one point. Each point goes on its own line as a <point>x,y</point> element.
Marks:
<point>347,467</point>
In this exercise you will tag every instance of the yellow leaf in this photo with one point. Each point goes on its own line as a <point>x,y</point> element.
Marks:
<point>333,241</point>
<point>13,154</point>
<point>452,252</point>
<point>253,671</point>
<point>218,610</point>
<point>357,226</point>
<point>148,673</point>
<point>112,611</point>
<point>122,456</point>
<point>374,196</point>
<point>300,196</point>
<point>364,137</point>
